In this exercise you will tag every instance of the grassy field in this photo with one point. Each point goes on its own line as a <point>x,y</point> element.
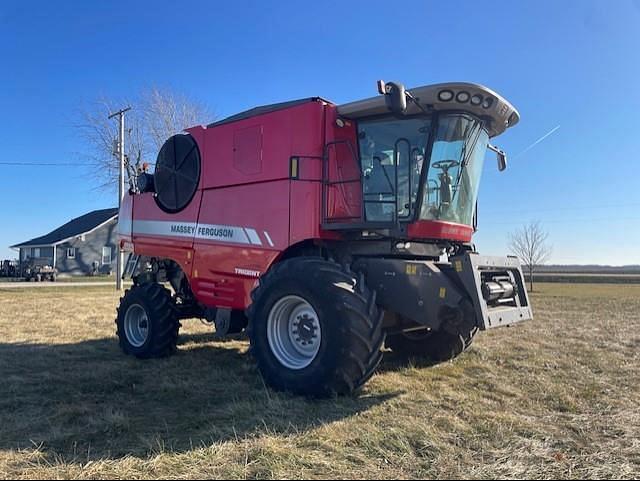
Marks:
<point>556,397</point>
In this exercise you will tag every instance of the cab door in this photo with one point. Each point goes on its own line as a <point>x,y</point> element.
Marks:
<point>342,181</point>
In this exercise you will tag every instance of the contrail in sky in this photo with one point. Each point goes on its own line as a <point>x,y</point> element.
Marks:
<point>537,142</point>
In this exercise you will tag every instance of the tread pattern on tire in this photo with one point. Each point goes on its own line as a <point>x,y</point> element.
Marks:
<point>360,323</point>
<point>441,346</point>
<point>158,303</point>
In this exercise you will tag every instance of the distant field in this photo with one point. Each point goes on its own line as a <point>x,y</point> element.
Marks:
<point>586,277</point>
<point>556,397</point>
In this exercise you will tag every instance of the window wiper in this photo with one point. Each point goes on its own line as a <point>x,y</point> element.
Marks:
<point>465,155</point>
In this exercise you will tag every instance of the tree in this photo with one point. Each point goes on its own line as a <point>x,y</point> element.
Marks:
<point>530,244</point>
<point>155,116</point>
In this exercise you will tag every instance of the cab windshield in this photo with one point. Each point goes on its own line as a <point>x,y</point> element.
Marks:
<point>393,153</point>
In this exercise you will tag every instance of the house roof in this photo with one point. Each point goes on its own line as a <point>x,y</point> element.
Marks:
<point>78,226</point>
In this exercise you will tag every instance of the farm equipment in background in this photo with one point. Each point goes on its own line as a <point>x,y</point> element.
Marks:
<point>9,268</point>
<point>326,231</point>
<point>38,270</point>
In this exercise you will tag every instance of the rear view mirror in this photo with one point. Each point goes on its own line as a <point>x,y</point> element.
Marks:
<point>501,156</point>
<point>395,96</point>
<point>502,161</point>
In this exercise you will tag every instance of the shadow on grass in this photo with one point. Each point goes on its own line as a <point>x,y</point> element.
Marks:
<point>392,362</point>
<point>87,401</point>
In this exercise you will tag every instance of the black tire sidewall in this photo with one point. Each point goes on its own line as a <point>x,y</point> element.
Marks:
<point>436,346</point>
<point>140,295</point>
<point>316,377</point>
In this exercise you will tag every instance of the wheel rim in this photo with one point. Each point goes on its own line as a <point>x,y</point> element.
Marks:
<point>136,325</point>
<point>293,332</point>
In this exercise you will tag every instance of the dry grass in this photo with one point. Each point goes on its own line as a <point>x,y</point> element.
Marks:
<point>557,397</point>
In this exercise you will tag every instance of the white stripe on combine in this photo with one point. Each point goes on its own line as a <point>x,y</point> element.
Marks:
<point>162,228</point>
<point>253,236</point>
<point>266,234</point>
<point>223,233</point>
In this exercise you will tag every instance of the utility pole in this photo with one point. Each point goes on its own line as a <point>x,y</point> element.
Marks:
<point>120,263</point>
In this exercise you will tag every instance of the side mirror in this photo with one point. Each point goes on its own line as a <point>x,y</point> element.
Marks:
<point>395,96</point>
<point>502,161</point>
<point>501,156</point>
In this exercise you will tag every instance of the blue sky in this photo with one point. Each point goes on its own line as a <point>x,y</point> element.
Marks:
<point>573,64</point>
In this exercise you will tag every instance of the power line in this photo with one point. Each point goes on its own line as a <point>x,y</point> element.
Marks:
<point>47,164</point>
<point>63,164</point>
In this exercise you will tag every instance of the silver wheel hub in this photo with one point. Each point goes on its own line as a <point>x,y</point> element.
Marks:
<point>293,332</point>
<point>136,325</point>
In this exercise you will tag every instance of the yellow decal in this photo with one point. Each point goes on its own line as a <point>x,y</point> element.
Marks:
<point>443,292</point>
<point>195,273</point>
<point>458,266</point>
<point>412,269</point>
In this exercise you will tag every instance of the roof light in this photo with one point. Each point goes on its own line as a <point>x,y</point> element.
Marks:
<point>476,99</point>
<point>488,102</point>
<point>462,97</point>
<point>445,95</point>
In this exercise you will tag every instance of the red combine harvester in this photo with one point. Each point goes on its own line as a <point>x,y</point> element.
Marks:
<point>325,231</point>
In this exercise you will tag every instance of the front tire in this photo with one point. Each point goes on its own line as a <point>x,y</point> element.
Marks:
<point>315,328</point>
<point>147,322</point>
<point>434,346</point>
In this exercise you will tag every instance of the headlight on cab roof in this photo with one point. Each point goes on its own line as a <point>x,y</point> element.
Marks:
<point>445,95</point>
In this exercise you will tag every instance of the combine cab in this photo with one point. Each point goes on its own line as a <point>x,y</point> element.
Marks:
<point>326,231</point>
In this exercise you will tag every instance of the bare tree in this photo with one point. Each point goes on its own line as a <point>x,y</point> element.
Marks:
<point>155,116</point>
<point>166,113</point>
<point>530,244</point>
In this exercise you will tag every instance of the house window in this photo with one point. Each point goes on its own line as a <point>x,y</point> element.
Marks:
<point>71,253</point>
<point>106,255</point>
<point>36,252</point>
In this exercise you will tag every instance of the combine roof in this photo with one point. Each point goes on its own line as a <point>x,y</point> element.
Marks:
<point>463,96</point>
<point>73,228</point>
<point>265,109</point>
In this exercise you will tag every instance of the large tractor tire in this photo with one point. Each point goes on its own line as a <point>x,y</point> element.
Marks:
<point>147,322</point>
<point>434,346</point>
<point>315,328</point>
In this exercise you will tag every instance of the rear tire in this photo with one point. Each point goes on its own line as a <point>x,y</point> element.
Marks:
<point>147,322</point>
<point>335,309</point>
<point>435,346</point>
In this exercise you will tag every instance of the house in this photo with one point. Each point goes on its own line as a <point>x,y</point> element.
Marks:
<point>82,246</point>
